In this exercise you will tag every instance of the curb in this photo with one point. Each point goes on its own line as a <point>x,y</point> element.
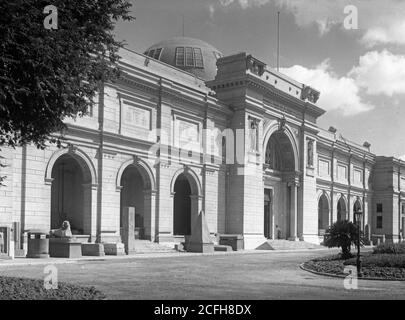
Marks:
<point>332,275</point>
<point>19,262</point>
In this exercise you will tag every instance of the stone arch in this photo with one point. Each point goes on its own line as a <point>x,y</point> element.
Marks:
<point>72,177</point>
<point>186,194</point>
<point>81,157</point>
<point>144,169</point>
<point>272,128</point>
<point>358,204</point>
<point>342,207</point>
<point>324,208</point>
<point>136,183</point>
<point>192,178</point>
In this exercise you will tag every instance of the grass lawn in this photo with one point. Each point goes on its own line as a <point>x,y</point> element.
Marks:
<point>29,289</point>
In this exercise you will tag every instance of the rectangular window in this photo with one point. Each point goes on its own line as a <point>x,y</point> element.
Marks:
<point>157,54</point>
<point>189,57</point>
<point>379,207</point>
<point>403,209</point>
<point>151,53</point>
<point>379,222</point>
<point>198,58</point>
<point>180,56</point>
<point>342,172</point>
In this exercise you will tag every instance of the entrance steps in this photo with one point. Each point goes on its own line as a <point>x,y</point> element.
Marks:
<point>146,246</point>
<point>287,245</point>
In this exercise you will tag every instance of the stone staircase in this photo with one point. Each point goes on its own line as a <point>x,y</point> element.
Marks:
<point>146,246</point>
<point>288,245</point>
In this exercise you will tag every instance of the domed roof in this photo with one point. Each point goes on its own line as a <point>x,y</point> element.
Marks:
<point>191,55</point>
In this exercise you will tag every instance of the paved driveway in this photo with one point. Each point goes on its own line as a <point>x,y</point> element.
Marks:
<point>268,275</point>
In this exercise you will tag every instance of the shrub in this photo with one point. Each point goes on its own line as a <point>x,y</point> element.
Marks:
<point>380,260</point>
<point>342,234</point>
<point>390,248</point>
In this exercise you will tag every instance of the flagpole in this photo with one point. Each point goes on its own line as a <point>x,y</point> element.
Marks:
<point>278,41</point>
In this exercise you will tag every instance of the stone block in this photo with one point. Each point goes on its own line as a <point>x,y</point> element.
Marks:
<point>233,240</point>
<point>200,247</point>
<point>220,247</point>
<point>93,249</point>
<point>114,249</point>
<point>65,248</point>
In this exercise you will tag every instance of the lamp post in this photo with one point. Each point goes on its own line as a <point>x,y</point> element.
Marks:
<point>358,214</point>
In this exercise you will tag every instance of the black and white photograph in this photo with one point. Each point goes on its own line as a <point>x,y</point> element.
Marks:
<point>202,155</point>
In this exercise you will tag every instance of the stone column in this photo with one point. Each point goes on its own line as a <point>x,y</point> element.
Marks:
<point>150,214</point>
<point>293,211</point>
<point>128,232</point>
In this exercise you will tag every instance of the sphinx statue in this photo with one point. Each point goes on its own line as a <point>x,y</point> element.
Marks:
<point>63,232</point>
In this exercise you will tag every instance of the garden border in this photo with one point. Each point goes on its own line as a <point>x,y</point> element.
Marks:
<point>333,275</point>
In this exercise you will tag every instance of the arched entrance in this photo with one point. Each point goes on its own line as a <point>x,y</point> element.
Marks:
<point>341,209</point>
<point>280,164</point>
<point>323,214</point>
<point>182,206</point>
<point>186,191</point>
<point>71,194</point>
<point>133,187</point>
<point>357,207</point>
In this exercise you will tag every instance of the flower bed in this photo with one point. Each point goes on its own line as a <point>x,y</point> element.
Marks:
<point>29,289</point>
<point>374,266</point>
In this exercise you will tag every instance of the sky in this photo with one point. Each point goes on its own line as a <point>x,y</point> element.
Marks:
<point>352,51</point>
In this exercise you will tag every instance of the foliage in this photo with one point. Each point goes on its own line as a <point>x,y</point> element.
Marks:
<point>380,260</point>
<point>2,165</point>
<point>48,75</point>
<point>390,248</point>
<point>29,289</point>
<point>343,234</point>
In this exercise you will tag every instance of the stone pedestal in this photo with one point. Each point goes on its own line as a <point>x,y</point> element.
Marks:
<point>114,249</point>
<point>93,249</point>
<point>65,248</point>
<point>128,229</point>
<point>200,240</point>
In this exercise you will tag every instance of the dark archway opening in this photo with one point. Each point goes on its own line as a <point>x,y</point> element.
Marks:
<point>132,195</point>
<point>68,201</point>
<point>182,206</point>
<point>341,210</point>
<point>323,214</point>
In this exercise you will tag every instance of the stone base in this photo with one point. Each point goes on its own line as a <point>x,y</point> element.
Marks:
<point>311,238</point>
<point>65,248</point>
<point>200,247</point>
<point>235,241</point>
<point>114,249</point>
<point>93,249</point>
<point>222,248</point>
<point>253,241</point>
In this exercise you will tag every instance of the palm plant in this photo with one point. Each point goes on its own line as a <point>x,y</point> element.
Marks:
<point>343,234</point>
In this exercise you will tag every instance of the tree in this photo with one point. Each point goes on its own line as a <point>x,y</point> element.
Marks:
<point>343,234</point>
<point>47,75</point>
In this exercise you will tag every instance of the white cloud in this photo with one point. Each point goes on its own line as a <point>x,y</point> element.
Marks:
<point>244,3</point>
<point>380,73</point>
<point>402,157</point>
<point>337,93</point>
<point>388,33</point>
<point>383,22</point>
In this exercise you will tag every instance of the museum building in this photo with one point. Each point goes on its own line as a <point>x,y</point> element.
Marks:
<point>186,130</point>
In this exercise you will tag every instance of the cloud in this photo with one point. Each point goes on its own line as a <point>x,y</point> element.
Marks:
<point>337,93</point>
<point>211,10</point>
<point>382,22</point>
<point>380,73</point>
<point>389,33</point>
<point>244,3</point>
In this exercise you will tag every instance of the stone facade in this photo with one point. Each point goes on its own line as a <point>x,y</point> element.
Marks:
<point>244,148</point>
